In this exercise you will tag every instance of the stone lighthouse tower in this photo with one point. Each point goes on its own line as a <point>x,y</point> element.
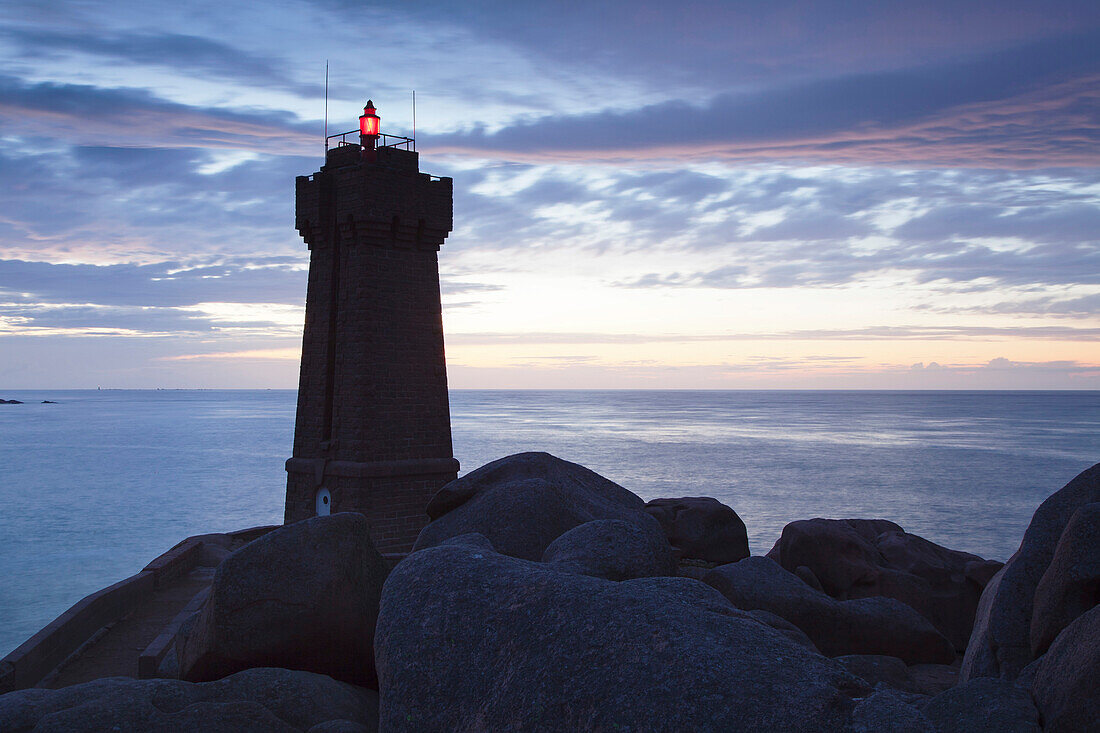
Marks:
<point>373,431</point>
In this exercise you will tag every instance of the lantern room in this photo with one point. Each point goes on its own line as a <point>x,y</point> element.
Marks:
<point>343,147</point>
<point>369,124</point>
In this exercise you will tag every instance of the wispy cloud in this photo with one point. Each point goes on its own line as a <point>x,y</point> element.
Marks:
<point>90,115</point>
<point>1029,106</point>
<point>124,205</point>
<point>879,333</point>
<point>247,355</point>
<point>793,373</point>
<point>1002,365</point>
<point>1050,306</point>
<point>181,53</point>
<point>165,284</point>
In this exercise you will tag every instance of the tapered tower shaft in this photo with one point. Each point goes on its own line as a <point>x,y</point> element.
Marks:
<point>373,432</point>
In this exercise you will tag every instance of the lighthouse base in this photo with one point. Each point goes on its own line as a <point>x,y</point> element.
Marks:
<point>391,494</point>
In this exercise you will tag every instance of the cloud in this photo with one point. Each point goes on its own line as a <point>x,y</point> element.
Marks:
<point>42,319</point>
<point>663,46</point>
<point>190,55</point>
<point>1004,366</point>
<point>876,333</point>
<point>106,204</point>
<point>1051,306</point>
<point>811,225</point>
<point>1033,105</point>
<point>790,227</point>
<point>786,373</point>
<point>1072,221</point>
<point>247,355</point>
<point>1006,86</point>
<point>165,284</point>
<point>208,320</point>
<point>448,286</point>
<point>91,115</point>
<point>798,265</point>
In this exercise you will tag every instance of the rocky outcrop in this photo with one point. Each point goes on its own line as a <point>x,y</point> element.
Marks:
<point>560,651</point>
<point>524,502</point>
<point>1066,685</point>
<point>10,402</point>
<point>983,705</point>
<point>701,528</point>
<point>1001,643</point>
<point>862,626</point>
<point>878,669</point>
<point>861,558</point>
<point>688,569</point>
<point>253,700</point>
<point>887,711</point>
<point>304,596</point>
<point>596,632</point>
<point>1071,584</point>
<point>612,549</point>
<point>917,679</point>
<point>807,576</point>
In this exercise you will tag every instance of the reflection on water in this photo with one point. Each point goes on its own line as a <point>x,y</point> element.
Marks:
<point>964,469</point>
<point>94,487</point>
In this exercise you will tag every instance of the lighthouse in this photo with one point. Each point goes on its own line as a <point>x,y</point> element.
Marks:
<point>373,428</point>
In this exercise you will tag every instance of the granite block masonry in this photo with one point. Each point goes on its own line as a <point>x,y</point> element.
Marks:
<point>373,429</point>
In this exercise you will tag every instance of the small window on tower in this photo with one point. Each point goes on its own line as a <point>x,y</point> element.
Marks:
<point>323,502</point>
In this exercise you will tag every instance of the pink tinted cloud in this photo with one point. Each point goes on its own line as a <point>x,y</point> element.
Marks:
<point>86,115</point>
<point>1053,126</point>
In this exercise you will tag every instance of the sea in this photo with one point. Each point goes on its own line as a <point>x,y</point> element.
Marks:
<point>98,484</point>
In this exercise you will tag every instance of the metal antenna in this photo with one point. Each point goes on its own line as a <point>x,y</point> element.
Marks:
<point>326,106</point>
<point>414,120</point>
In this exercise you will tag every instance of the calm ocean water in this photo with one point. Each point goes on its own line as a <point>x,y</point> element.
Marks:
<point>94,487</point>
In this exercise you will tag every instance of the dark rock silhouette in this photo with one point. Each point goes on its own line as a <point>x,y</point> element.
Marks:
<point>698,572</point>
<point>1001,643</point>
<point>876,669</point>
<point>702,528</point>
<point>600,635</point>
<point>983,705</point>
<point>304,596</point>
<point>472,639</point>
<point>783,626</point>
<point>1066,685</point>
<point>861,558</point>
<point>10,402</point>
<point>253,700</point>
<point>524,502</point>
<point>888,710</point>
<point>1071,584</point>
<point>612,549</point>
<point>918,679</point>
<point>807,576</point>
<point>863,626</point>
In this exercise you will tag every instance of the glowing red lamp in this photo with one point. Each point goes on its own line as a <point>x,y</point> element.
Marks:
<point>368,125</point>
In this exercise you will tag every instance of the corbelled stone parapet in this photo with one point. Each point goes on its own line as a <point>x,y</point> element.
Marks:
<point>382,203</point>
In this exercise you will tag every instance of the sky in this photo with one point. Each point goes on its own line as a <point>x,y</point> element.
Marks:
<point>695,195</point>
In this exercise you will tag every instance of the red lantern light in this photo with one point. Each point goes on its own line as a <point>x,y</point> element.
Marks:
<point>369,123</point>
